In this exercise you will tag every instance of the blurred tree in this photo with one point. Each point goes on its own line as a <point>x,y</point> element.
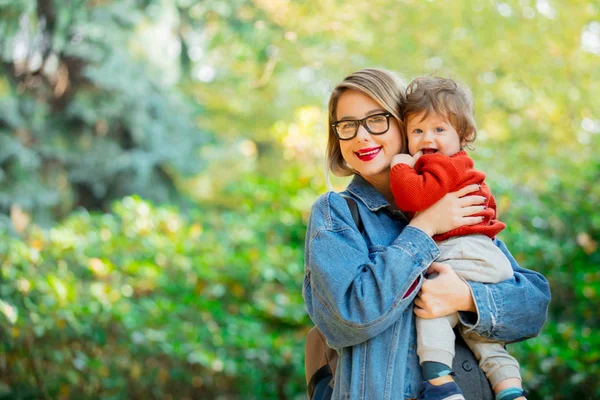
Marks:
<point>82,120</point>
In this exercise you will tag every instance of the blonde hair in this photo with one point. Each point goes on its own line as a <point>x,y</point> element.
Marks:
<point>446,98</point>
<point>385,87</point>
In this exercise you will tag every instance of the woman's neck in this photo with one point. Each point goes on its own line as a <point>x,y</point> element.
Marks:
<point>382,184</point>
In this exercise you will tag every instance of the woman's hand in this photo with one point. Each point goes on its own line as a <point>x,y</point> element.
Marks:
<point>450,212</point>
<point>443,295</point>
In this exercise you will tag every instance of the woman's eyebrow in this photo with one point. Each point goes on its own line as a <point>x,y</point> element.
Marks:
<point>374,111</point>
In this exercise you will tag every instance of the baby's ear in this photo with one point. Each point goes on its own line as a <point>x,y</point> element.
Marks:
<point>467,139</point>
<point>469,136</point>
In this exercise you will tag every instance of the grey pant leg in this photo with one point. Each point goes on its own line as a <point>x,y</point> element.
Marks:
<point>493,358</point>
<point>435,339</point>
<point>475,258</point>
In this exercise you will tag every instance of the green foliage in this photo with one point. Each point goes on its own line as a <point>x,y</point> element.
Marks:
<point>143,303</point>
<point>556,231</point>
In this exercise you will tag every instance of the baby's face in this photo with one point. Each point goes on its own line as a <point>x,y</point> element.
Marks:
<point>432,135</point>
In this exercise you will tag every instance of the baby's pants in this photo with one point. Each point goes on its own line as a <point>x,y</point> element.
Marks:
<point>474,258</point>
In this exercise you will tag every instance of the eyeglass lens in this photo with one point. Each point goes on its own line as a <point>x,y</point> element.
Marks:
<point>375,124</point>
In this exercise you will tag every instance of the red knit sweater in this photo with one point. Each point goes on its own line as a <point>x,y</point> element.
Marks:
<point>434,175</point>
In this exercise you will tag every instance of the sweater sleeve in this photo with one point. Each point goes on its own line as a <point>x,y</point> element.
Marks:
<point>416,189</point>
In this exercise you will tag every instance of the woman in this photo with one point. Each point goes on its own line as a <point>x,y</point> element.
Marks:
<point>363,288</point>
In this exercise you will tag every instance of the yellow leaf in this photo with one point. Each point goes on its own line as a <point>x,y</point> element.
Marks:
<point>197,382</point>
<point>98,267</point>
<point>163,375</point>
<point>237,290</point>
<point>19,218</point>
<point>136,371</point>
<point>64,391</point>
<point>37,244</point>
<point>196,230</point>
<point>588,244</point>
<point>10,312</point>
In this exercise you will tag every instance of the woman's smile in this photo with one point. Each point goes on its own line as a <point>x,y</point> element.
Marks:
<point>368,154</point>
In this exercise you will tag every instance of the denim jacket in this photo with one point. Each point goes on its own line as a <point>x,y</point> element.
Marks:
<point>356,290</point>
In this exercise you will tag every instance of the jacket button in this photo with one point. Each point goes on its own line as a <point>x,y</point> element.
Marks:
<point>467,366</point>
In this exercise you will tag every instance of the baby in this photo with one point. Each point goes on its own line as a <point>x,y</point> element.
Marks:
<point>439,125</point>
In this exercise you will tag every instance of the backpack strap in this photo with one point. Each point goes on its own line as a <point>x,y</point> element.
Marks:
<point>354,211</point>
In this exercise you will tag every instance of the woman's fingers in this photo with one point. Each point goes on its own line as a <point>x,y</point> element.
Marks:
<point>438,268</point>
<point>443,295</point>
<point>418,302</point>
<point>471,200</point>
<point>450,212</point>
<point>472,210</point>
<point>467,189</point>
<point>421,313</point>
<point>420,309</point>
<point>471,220</point>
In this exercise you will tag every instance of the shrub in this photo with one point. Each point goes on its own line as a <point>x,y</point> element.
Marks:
<point>144,303</point>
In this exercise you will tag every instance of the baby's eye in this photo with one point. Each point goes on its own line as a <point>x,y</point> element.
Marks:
<point>417,131</point>
<point>439,129</point>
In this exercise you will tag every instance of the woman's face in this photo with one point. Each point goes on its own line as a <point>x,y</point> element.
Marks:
<point>370,155</point>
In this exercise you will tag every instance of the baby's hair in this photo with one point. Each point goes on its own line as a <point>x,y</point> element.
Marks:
<point>446,98</point>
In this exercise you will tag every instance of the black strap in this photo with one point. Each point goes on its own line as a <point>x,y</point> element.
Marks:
<point>354,211</point>
<point>323,390</point>
<point>469,376</point>
<point>323,374</point>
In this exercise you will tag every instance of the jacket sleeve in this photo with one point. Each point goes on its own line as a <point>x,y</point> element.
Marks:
<point>512,310</point>
<point>416,189</point>
<point>350,296</point>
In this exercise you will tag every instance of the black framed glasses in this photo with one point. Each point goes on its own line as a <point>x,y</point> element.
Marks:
<point>376,124</point>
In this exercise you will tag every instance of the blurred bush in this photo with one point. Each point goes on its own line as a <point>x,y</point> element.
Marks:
<point>556,231</point>
<point>143,303</point>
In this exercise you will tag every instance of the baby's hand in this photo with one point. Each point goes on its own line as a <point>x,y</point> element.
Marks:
<point>406,159</point>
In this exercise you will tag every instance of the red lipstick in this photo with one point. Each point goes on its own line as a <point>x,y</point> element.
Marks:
<point>367,154</point>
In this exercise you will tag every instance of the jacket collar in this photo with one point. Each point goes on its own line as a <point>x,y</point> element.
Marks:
<point>364,191</point>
